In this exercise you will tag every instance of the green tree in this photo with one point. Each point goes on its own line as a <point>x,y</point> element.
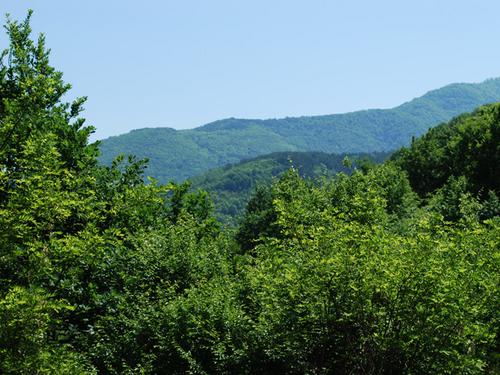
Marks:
<point>466,146</point>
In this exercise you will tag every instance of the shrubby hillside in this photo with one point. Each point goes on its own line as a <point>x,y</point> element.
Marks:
<point>181,154</point>
<point>230,186</point>
<point>368,273</point>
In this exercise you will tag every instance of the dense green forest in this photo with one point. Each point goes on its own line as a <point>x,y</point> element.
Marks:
<point>392,269</point>
<point>230,186</point>
<point>181,154</point>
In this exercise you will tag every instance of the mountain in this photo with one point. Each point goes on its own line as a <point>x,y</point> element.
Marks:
<point>180,154</point>
<point>230,186</point>
<point>467,149</point>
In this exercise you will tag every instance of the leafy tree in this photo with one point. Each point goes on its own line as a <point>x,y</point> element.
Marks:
<point>259,219</point>
<point>467,146</point>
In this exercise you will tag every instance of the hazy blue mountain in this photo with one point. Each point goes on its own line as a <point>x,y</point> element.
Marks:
<point>180,154</point>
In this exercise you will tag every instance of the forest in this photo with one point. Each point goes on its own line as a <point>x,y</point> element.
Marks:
<point>382,268</point>
<point>231,186</point>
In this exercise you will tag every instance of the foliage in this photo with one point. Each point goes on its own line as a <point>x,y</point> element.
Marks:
<point>101,272</point>
<point>468,146</point>
<point>231,186</point>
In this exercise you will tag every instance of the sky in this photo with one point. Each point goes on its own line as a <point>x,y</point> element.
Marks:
<point>185,63</point>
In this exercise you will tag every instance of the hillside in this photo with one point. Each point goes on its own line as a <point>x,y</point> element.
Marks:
<point>180,154</point>
<point>462,154</point>
<point>230,186</point>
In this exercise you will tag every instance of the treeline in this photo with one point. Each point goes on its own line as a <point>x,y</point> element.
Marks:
<point>369,273</point>
<point>230,186</point>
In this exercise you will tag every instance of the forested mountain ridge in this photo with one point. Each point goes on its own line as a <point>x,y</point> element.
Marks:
<point>180,154</point>
<point>230,186</point>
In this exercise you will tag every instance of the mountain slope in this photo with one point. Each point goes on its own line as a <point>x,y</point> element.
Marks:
<point>231,186</point>
<point>468,147</point>
<point>180,154</point>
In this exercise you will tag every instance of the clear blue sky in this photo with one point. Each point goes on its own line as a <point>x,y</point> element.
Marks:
<point>184,63</point>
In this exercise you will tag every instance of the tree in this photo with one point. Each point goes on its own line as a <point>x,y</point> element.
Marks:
<point>45,163</point>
